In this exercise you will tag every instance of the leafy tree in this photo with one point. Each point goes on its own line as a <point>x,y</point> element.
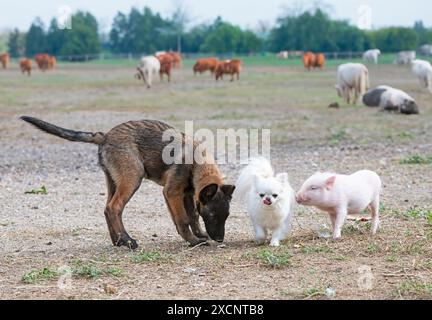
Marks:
<point>396,39</point>
<point>36,38</point>
<point>141,32</point>
<point>224,37</point>
<point>424,34</point>
<point>55,38</point>
<point>16,43</point>
<point>83,38</point>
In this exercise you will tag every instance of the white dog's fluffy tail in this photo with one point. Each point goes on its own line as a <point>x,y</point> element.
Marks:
<point>256,167</point>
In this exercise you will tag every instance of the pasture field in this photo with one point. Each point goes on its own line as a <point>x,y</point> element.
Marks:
<point>45,231</point>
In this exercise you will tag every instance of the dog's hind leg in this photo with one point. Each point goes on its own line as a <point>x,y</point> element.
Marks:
<point>111,188</point>
<point>125,189</point>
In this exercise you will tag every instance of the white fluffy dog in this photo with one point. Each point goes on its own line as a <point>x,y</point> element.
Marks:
<point>270,200</point>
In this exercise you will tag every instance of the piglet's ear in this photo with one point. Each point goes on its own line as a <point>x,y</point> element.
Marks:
<point>208,193</point>
<point>330,182</point>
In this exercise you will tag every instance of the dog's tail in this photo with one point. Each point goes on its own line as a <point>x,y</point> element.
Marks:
<point>256,167</point>
<point>89,137</point>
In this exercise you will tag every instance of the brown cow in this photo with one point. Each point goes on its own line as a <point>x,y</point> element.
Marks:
<point>26,66</point>
<point>52,61</point>
<point>43,61</point>
<point>232,67</point>
<point>4,59</point>
<point>166,62</point>
<point>205,64</point>
<point>319,61</point>
<point>311,60</point>
<point>308,60</point>
<point>177,59</point>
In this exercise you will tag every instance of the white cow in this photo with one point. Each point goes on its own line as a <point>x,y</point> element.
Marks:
<point>148,68</point>
<point>423,70</point>
<point>353,81</point>
<point>372,55</point>
<point>426,50</point>
<point>282,55</point>
<point>405,57</point>
<point>390,99</point>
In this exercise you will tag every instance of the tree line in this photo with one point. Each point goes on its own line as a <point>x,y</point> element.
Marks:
<point>146,31</point>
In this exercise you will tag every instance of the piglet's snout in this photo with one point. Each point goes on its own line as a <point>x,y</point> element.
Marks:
<point>299,198</point>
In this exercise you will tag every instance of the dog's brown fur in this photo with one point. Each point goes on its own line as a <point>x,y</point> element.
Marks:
<point>133,151</point>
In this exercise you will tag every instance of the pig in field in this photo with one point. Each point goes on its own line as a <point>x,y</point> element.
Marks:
<point>340,195</point>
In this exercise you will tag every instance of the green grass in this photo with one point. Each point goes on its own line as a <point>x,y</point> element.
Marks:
<point>412,287</point>
<point>272,259</point>
<point>373,248</point>
<point>417,159</point>
<point>36,276</point>
<point>414,213</point>
<point>90,270</point>
<point>41,190</point>
<point>338,137</point>
<point>318,249</point>
<point>264,59</point>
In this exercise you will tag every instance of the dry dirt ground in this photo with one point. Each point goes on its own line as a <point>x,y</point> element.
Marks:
<point>46,237</point>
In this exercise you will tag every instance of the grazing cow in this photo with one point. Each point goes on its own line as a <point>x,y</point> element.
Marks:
<point>26,66</point>
<point>423,70</point>
<point>319,61</point>
<point>405,57</point>
<point>232,67</point>
<point>4,59</point>
<point>148,68</point>
<point>308,60</point>
<point>311,60</point>
<point>43,61</point>
<point>166,65</point>
<point>52,61</point>
<point>177,59</point>
<point>353,81</point>
<point>205,64</point>
<point>372,55</point>
<point>282,55</point>
<point>390,99</point>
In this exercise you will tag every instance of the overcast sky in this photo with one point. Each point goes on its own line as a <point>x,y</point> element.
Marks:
<point>247,13</point>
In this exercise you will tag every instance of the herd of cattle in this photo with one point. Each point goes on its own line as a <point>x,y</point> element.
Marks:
<point>352,78</point>
<point>43,61</point>
<point>163,62</point>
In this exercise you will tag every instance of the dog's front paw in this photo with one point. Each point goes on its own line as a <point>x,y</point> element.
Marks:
<point>274,243</point>
<point>197,241</point>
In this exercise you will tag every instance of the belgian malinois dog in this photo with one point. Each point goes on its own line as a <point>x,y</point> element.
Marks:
<point>133,151</point>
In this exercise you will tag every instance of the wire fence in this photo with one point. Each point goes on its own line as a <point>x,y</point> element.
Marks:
<point>136,56</point>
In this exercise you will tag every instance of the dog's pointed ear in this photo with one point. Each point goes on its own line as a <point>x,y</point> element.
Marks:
<point>208,193</point>
<point>228,189</point>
